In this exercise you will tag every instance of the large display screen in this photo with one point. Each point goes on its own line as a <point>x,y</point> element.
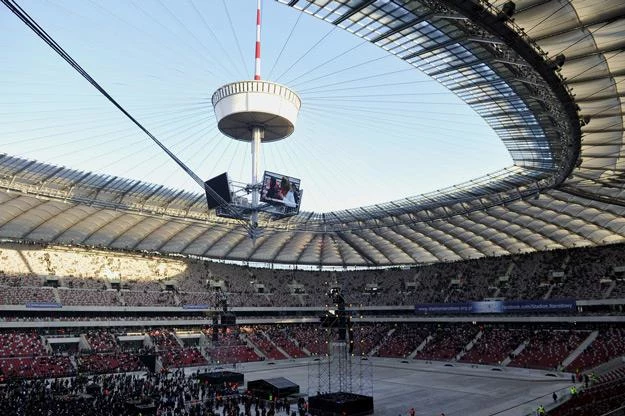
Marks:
<point>281,190</point>
<point>219,188</point>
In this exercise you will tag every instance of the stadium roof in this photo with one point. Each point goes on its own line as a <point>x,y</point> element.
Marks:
<point>560,117</point>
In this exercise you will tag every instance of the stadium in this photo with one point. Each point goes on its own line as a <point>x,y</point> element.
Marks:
<point>499,294</point>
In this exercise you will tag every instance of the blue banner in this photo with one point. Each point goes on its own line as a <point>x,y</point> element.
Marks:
<point>488,306</point>
<point>443,308</point>
<point>43,305</point>
<point>498,306</point>
<point>512,306</point>
<point>199,306</point>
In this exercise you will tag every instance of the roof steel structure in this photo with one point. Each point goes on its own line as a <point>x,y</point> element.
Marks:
<point>561,121</point>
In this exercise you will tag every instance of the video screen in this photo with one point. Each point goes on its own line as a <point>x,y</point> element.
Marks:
<point>281,190</point>
<point>220,188</point>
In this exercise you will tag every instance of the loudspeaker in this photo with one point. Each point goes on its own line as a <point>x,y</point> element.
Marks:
<point>149,360</point>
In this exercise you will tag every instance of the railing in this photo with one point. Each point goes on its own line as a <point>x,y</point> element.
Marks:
<point>618,412</point>
<point>256,86</point>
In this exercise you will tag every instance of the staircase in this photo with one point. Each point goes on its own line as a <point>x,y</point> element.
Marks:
<point>609,290</point>
<point>72,360</point>
<point>147,342</point>
<point>120,298</point>
<point>253,346</point>
<point>548,294</point>
<point>469,346</point>
<point>275,345</point>
<point>296,342</point>
<point>178,339</point>
<point>46,345</point>
<point>57,298</point>
<point>205,354</point>
<point>509,270</point>
<point>421,346</point>
<point>515,353</point>
<point>375,349</point>
<point>83,344</point>
<point>580,349</point>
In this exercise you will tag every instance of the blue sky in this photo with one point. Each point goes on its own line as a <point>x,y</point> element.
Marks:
<point>371,128</point>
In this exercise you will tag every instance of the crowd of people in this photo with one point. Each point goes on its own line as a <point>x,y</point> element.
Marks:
<point>166,394</point>
<point>79,276</point>
<point>102,350</point>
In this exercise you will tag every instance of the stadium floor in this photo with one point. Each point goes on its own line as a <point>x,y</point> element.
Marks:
<point>461,390</point>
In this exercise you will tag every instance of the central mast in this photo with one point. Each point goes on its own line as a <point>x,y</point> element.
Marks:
<point>258,111</point>
<point>257,131</point>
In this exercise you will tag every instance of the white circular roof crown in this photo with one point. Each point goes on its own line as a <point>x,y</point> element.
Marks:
<point>239,106</point>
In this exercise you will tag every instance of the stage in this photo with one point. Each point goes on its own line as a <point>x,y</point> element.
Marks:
<point>435,388</point>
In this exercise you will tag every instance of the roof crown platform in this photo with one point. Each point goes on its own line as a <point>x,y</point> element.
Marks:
<point>242,105</point>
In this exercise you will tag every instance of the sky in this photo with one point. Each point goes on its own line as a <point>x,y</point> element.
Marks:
<point>371,128</point>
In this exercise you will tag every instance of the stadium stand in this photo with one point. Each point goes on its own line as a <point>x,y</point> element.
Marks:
<point>447,342</point>
<point>281,336</point>
<point>546,349</point>
<point>188,357</point>
<point>605,395</point>
<point>20,344</point>
<point>610,343</point>
<point>404,340</point>
<point>581,273</point>
<point>496,344</point>
<point>115,362</point>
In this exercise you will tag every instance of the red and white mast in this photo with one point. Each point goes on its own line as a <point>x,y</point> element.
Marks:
<point>244,110</point>
<point>257,131</point>
<point>257,62</point>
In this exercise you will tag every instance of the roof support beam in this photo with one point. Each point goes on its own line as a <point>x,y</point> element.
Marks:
<point>359,8</point>
<point>597,77</point>
<point>593,22</point>
<point>614,48</point>
<point>357,249</point>
<point>431,49</point>
<point>117,215</point>
<point>127,229</point>
<point>401,27</point>
<point>454,68</point>
<point>47,220</point>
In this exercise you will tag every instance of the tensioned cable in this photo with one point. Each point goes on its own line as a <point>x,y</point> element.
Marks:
<point>187,140</point>
<point>186,29</point>
<point>590,33</point>
<point>344,69</point>
<point>361,87</point>
<point>298,60</point>
<point>153,115</point>
<point>181,44</point>
<point>100,143</point>
<point>399,111</point>
<point>144,148</point>
<point>323,99</point>
<point>34,26</point>
<point>547,18</point>
<point>216,39</point>
<point>194,55</point>
<point>349,81</point>
<point>23,140</point>
<point>614,84</point>
<point>601,62</point>
<point>400,115</point>
<point>153,52</point>
<point>387,94</point>
<point>286,42</point>
<point>321,65</point>
<point>386,124</point>
<point>234,32</point>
